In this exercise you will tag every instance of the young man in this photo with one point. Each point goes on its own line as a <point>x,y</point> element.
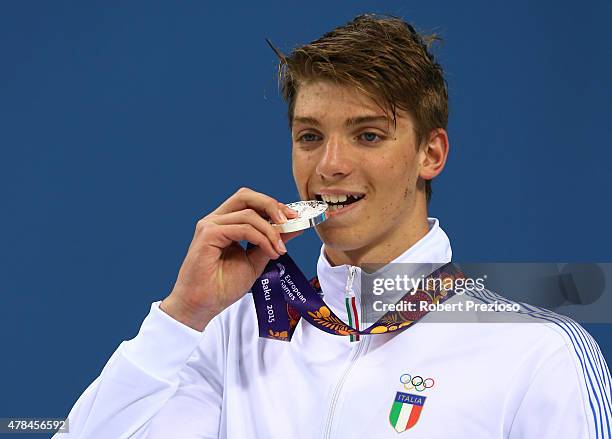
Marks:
<point>368,113</point>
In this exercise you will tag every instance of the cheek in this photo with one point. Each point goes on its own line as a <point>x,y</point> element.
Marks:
<point>399,184</point>
<point>301,172</point>
<point>397,172</point>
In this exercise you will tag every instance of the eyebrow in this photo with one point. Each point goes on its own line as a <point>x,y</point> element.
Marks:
<point>350,122</point>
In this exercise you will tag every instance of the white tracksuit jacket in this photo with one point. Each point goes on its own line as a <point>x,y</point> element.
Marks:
<point>542,380</point>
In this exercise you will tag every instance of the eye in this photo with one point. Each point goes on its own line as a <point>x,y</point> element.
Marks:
<point>308,138</point>
<point>370,137</point>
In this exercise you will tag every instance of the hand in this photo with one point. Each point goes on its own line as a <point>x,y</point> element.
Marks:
<point>217,270</point>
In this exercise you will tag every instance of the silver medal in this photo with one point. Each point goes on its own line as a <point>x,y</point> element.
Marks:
<point>310,213</point>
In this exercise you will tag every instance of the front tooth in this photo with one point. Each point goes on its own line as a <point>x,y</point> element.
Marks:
<point>333,198</point>
<point>325,198</point>
<point>342,198</point>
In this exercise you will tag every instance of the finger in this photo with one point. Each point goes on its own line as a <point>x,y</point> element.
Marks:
<point>228,233</point>
<point>249,216</point>
<point>289,212</point>
<point>246,198</point>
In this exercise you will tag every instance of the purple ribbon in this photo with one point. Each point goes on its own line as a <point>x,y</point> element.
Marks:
<point>282,294</point>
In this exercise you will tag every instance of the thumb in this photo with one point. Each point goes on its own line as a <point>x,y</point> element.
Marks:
<point>258,258</point>
<point>289,236</point>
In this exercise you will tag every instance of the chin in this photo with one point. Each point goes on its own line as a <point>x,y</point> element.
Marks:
<point>341,240</point>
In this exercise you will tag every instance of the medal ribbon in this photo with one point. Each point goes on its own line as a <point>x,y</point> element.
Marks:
<point>283,295</point>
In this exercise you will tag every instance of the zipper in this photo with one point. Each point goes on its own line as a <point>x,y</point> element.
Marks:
<point>350,295</point>
<point>338,389</point>
<point>350,302</point>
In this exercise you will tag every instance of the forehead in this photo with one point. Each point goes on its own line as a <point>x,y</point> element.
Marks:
<point>329,102</point>
<point>321,95</point>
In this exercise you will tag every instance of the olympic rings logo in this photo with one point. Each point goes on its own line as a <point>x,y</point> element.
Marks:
<point>416,382</point>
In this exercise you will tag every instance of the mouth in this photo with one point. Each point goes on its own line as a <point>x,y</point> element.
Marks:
<point>340,202</point>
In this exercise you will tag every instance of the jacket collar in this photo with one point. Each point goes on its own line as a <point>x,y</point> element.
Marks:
<point>434,247</point>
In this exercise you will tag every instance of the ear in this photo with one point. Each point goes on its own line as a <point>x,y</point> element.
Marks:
<point>434,154</point>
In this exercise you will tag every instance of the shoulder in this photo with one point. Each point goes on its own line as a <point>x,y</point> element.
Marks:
<point>556,328</point>
<point>565,355</point>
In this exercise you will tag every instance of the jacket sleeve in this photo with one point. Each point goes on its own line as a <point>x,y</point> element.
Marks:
<point>165,382</point>
<point>569,395</point>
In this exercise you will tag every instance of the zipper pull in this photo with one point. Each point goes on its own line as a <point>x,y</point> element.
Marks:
<point>349,281</point>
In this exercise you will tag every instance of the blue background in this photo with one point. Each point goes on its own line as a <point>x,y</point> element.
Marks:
<point>121,124</point>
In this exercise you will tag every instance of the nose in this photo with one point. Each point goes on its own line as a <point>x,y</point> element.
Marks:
<point>335,161</point>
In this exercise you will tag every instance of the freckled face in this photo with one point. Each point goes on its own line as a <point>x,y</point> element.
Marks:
<point>341,140</point>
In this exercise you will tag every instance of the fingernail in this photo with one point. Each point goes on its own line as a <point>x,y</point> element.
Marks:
<point>281,245</point>
<point>292,212</point>
<point>282,216</point>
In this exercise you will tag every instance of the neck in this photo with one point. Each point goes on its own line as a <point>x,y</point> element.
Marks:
<point>385,249</point>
